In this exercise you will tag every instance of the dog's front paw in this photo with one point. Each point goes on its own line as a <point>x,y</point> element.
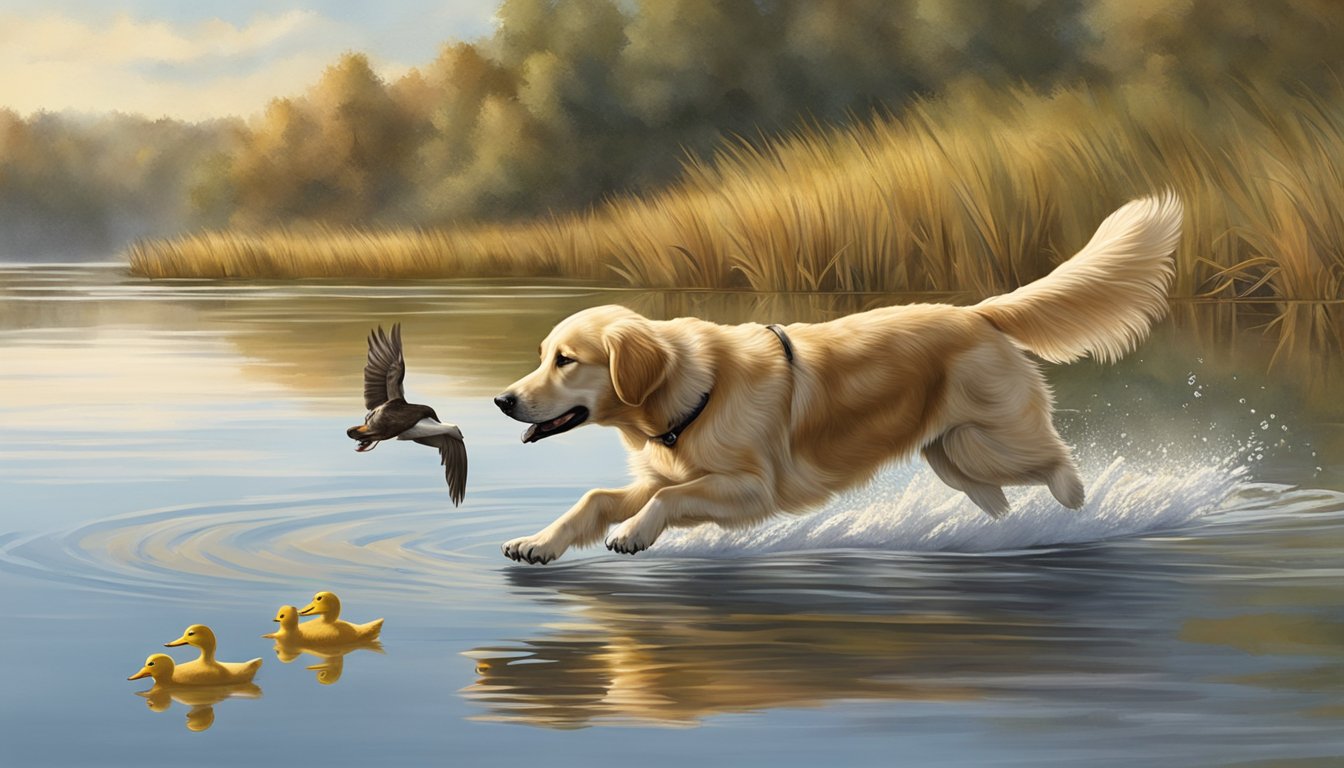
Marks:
<point>532,549</point>
<point>630,538</point>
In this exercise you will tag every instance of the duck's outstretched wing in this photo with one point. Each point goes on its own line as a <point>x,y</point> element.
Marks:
<point>385,369</point>
<point>453,454</point>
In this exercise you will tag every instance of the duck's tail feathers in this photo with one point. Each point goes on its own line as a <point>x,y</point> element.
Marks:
<point>1102,301</point>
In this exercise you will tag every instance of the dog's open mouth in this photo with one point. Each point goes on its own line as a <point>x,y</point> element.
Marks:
<point>563,423</point>
<point>365,445</point>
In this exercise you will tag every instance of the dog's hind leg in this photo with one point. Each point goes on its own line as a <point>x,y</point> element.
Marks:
<point>1065,484</point>
<point>1019,454</point>
<point>986,496</point>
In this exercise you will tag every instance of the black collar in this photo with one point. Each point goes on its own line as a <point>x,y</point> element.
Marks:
<point>669,438</point>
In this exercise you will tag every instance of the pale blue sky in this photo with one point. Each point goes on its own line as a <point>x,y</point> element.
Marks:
<point>207,59</point>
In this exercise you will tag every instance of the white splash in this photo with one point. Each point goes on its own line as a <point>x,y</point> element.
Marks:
<point>909,509</point>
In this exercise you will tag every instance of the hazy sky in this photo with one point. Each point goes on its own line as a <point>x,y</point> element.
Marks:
<point>205,59</point>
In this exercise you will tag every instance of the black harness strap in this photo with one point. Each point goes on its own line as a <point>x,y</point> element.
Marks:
<point>778,330</point>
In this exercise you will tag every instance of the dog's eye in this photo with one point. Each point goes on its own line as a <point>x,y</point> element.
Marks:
<point>561,361</point>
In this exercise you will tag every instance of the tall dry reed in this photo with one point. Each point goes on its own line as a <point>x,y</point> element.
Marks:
<point>975,192</point>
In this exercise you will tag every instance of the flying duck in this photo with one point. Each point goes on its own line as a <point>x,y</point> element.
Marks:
<point>390,416</point>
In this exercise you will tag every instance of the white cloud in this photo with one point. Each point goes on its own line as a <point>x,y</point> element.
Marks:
<point>63,39</point>
<point>189,71</point>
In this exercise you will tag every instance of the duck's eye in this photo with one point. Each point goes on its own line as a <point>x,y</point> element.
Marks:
<point>319,599</point>
<point>282,615</point>
<point>191,634</point>
<point>150,664</point>
<point>561,361</point>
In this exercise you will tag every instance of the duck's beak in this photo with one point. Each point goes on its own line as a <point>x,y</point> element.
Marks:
<point>144,672</point>
<point>179,641</point>
<point>307,609</point>
<point>277,621</point>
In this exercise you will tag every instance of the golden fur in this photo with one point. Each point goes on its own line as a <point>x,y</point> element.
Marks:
<point>863,390</point>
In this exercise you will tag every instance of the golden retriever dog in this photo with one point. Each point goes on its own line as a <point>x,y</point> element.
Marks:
<point>733,424</point>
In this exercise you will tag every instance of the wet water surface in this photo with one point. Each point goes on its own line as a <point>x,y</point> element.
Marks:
<point>174,453</point>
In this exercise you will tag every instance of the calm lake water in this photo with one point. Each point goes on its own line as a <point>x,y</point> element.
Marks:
<point>174,453</point>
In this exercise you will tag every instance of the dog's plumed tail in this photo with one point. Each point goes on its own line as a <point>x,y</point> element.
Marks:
<point>1102,301</point>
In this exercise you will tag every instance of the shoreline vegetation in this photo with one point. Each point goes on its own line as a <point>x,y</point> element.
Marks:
<point>973,193</point>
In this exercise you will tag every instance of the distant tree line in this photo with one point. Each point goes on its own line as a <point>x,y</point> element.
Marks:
<point>78,188</point>
<point>571,101</point>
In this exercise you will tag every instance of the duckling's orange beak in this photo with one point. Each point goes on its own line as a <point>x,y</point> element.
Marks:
<point>179,641</point>
<point>144,672</point>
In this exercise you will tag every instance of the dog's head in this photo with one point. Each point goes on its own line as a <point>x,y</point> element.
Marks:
<point>594,365</point>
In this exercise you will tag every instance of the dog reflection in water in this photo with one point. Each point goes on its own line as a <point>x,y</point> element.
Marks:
<point>716,644</point>
<point>601,676</point>
<point>200,698</point>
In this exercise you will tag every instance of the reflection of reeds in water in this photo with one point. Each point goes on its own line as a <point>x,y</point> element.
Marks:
<point>975,193</point>
<point>483,350</point>
<point>483,338</point>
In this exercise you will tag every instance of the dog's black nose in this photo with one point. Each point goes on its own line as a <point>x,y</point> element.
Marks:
<point>506,402</point>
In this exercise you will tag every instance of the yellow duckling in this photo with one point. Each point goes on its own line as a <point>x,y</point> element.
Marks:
<point>200,698</point>
<point>162,668</point>
<point>206,670</point>
<point>288,632</point>
<point>328,628</point>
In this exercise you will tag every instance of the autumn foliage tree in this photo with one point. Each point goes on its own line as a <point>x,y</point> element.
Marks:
<point>340,153</point>
<point>570,102</point>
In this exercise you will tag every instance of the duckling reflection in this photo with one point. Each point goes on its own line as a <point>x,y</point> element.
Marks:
<point>291,641</point>
<point>331,657</point>
<point>200,698</point>
<point>681,642</point>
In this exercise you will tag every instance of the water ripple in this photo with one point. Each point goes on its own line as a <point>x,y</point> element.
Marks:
<point>385,541</point>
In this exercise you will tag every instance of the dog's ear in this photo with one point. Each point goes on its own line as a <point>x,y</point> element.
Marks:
<point>639,359</point>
